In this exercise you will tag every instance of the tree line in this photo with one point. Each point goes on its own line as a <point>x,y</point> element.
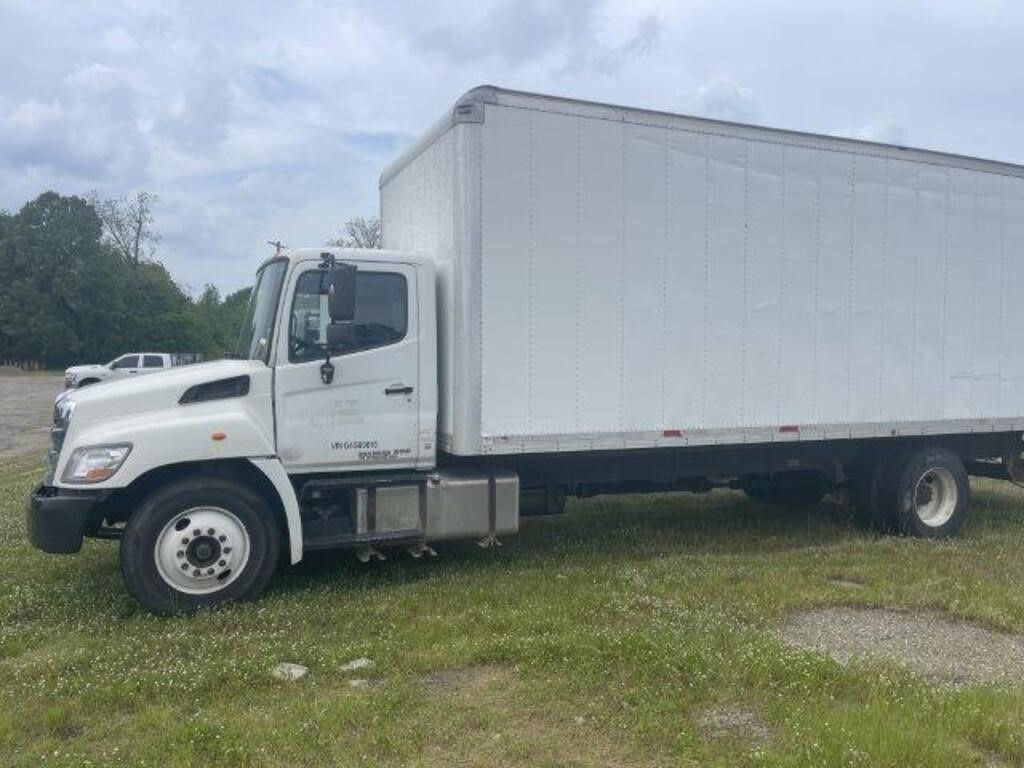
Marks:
<point>80,282</point>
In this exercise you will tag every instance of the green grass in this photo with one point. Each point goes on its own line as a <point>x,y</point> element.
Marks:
<point>600,637</point>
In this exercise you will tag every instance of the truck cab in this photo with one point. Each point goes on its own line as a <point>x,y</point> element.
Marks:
<point>320,433</point>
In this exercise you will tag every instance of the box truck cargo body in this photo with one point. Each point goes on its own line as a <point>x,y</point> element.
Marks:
<point>574,299</point>
<point>614,278</point>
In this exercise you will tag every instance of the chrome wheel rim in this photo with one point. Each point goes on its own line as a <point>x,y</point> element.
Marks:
<point>935,497</point>
<point>202,550</point>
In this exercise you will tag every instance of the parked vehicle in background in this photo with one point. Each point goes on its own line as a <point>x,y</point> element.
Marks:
<point>575,299</point>
<point>131,364</point>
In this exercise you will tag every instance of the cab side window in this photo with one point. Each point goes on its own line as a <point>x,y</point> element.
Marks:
<point>381,316</point>
<point>152,361</point>
<point>128,361</point>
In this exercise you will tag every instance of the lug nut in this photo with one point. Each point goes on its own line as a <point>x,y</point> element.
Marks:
<point>180,553</point>
<point>196,572</point>
<point>222,563</point>
<point>197,532</point>
<point>185,540</point>
<point>184,566</point>
<point>222,538</point>
<point>210,531</point>
<point>209,571</point>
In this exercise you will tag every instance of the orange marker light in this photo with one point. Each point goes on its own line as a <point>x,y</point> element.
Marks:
<point>218,436</point>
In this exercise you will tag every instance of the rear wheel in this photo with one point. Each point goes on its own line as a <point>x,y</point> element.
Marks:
<point>199,543</point>
<point>929,493</point>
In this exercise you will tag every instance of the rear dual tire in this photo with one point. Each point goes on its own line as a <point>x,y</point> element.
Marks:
<point>922,492</point>
<point>199,543</point>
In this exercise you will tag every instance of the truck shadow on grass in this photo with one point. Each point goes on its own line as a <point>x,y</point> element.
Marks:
<point>635,529</point>
<point>629,529</point>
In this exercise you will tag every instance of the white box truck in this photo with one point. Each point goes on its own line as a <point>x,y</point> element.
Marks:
<point>575,299</point>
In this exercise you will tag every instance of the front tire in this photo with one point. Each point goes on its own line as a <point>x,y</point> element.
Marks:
<point>199,543</point>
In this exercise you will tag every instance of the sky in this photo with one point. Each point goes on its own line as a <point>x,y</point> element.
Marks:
<point>256,121</point>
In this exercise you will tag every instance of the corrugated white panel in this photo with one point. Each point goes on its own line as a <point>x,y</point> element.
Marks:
<point>554,259</point>
<point>867,327</point>
<point>508,272</point>
<point>987,318</point>
<point>929,291</point>
<point>643,338</point>
<point>900,248</point>
<point>686,262</point>
<point>832,290</point>
<point>1012,398</point>
<point>764,277</point>
<point>800,251</point>
<point>962,273</point>
<point>599,301</point>
<point>722,397</point>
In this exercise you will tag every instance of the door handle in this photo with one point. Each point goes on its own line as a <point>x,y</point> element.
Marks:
<point>399,389</point>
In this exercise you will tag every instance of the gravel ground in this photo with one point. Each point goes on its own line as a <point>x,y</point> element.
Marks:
<point>738,721</point>
<point>949,652</point>
<point>26,412</point>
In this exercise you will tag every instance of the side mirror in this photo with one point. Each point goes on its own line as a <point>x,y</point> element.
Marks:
<point>340,285</point>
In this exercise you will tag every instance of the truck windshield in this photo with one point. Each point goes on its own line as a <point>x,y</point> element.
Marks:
<point>254,341</point>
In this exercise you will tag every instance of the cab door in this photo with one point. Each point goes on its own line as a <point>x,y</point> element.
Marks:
<point>366,418</point>
<point>126,365</point>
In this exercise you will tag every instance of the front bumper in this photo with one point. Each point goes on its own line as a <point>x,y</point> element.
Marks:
<point>59,519</point>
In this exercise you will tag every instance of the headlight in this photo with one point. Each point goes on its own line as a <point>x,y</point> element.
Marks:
<point>95,463</point>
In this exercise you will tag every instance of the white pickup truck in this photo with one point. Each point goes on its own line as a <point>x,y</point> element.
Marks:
<point>131,364</point>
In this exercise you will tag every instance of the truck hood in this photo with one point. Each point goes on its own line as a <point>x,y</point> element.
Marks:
<point>146,413</point>
<point>91,368</point>
<point>153,392</point>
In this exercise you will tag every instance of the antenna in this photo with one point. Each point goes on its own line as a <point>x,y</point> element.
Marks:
<point>278,246</point>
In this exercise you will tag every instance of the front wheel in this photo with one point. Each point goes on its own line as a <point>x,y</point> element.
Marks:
<point>199,543</point>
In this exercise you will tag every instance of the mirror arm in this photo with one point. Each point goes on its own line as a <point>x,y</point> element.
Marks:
<point>327,371</point>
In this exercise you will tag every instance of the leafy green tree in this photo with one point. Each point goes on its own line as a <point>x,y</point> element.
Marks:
<point>73,293</point>
<point>359,232</point>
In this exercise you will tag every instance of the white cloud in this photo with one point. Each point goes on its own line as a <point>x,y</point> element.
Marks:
<point>881,130</point>
<point>722,99</point>
<point>265,120</point>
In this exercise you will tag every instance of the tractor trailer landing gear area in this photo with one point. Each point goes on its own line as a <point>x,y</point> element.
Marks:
<point>574,299</point>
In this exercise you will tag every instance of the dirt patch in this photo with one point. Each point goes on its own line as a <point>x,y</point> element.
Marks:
<point>463,679</point>
<point>26,412</point>
<point>735,721</point>
<point>490,716</point>
<point>949,652</point>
